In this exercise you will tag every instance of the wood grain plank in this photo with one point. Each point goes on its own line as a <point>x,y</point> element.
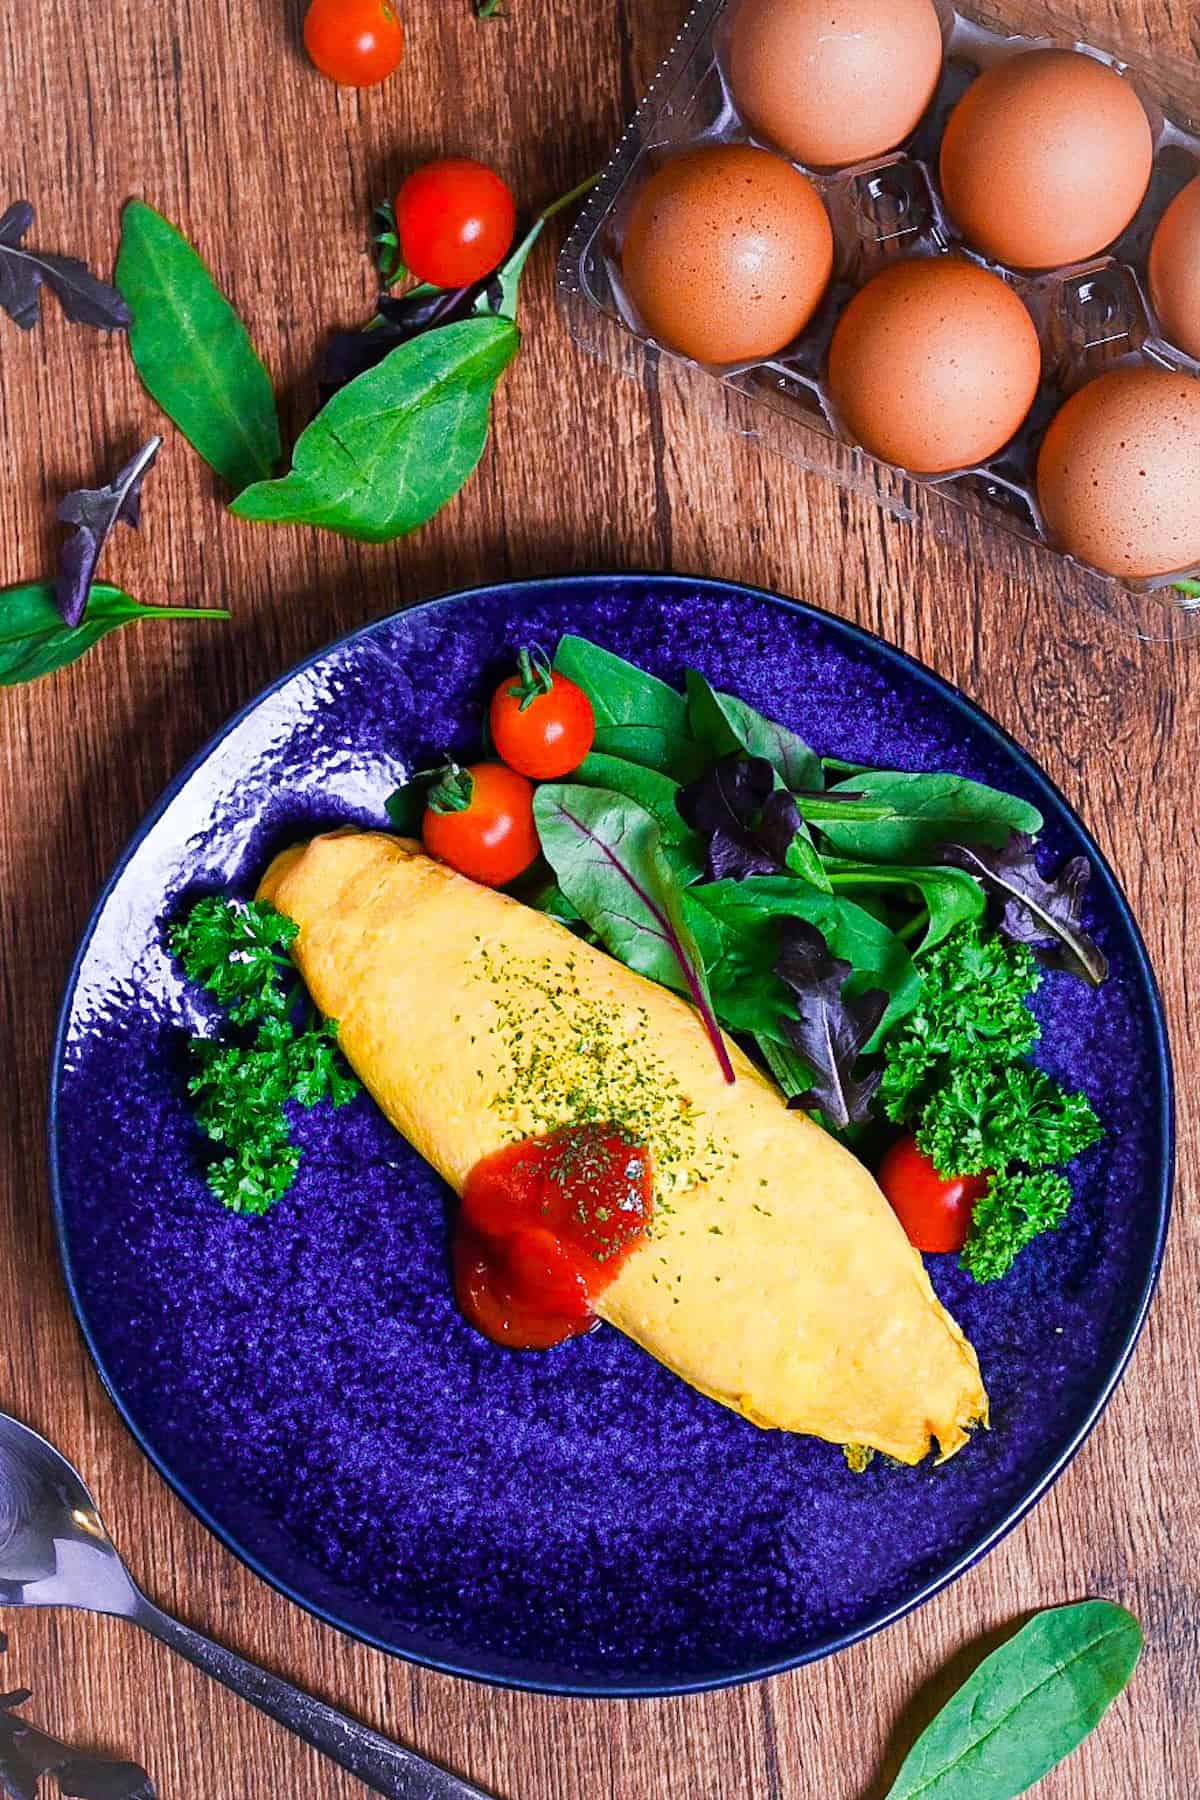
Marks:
<point>210,111</point>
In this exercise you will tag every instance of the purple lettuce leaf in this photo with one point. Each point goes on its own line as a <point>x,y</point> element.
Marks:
<point>1044,912</point>
<point>830,1031</point>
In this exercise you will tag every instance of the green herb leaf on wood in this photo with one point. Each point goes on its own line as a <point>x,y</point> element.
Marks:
<point>396,443</point>
<point>34,640</point>
<point>1026,1707</point>
<point>192,351</point>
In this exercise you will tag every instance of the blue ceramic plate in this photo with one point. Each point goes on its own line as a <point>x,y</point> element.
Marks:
<point>577,1521</point>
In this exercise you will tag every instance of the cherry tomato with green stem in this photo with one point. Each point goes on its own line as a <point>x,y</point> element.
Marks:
<point>456,219</point>
<point>479,820</point>
<point>935,1210</point>
<point>542,724</point>
<point>356,43</point>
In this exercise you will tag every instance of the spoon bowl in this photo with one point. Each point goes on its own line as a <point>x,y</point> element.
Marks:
<point>55,1551</point>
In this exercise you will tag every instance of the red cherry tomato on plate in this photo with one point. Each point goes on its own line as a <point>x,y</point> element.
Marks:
<point>480,821</point>
<point>355,42</point>
<point>455,219</point>
<point>542,724</point>
<point>935,1210</point>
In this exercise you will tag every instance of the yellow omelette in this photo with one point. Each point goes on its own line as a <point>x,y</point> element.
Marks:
<point>776,1277</point>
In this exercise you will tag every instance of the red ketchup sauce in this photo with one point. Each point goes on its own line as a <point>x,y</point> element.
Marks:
<point>544,1227</point>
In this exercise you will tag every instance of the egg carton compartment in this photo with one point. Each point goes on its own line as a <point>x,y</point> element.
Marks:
<point>1089,317</point>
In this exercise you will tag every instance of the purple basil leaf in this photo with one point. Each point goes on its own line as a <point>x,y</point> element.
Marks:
<point>87,1778</point>
<point>84,299</point>
<point>403,317</point>
<point>830,1031</point>
<point>1044,912</point>
<point>93,512</point>
<point>727,806</point>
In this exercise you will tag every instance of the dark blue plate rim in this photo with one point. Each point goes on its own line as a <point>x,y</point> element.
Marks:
<point>625,1688</point>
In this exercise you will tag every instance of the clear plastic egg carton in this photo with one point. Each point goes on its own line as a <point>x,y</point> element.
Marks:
<point>1089,317</point>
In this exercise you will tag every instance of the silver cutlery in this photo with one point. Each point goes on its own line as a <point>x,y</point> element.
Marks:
<point>55,1551</point>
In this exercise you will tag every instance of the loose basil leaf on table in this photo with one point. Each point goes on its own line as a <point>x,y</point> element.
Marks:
<point>926,811</point>
<point>725,724</point>
<point>395,444</point>
<point>1027,1706</point>
<point>192,351</point>
<point>93,512</point>
<point>84,299</point>
<point>608,855</point>
<point>35,640</point>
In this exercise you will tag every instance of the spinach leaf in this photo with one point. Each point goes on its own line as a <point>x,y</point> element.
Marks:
<point>724,725</point>
<point>1026,1707</point>
<point>947,903</point>
<point>608,855</point>
<point>35,641</point>
<point>93,512</point>
<point>394,445</point>
<point>653,748</point>
<point>927,810</point>
<point>192,351</point>
<point>621,693</point>
<point>751,912</point>
<point>829,1030</point>
<point>1044,913</point>
<point>651,789</point>
<point>83,299</point>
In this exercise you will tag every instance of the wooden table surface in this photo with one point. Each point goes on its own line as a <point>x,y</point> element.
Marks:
<point>207,108</point>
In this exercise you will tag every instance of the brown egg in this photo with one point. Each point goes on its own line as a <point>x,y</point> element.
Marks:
<point>1045,159</point>
<point>1118,477</point>
<point>934,364</point>
<point>1175,269</point>
<point>834,81</point>
<point>727,254</point>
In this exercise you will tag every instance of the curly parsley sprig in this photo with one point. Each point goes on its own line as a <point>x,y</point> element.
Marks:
<point>241,1083</point>
<point>955,1071</point>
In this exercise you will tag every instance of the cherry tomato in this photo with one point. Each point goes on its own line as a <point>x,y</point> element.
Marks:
<point>480,821</point>
<point>935,1210</point>
<point>455,220</point>
<point>355,42</point>
<point>542,724</point>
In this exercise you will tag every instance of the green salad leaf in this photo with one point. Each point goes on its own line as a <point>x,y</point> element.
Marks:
<point>947,898</point>
<point>607,853</point>
<point>723,725</point>
<point>926,810</point>
<point>35,641</point>
<point>395,444</point>
<point>192,351</point>
<point>1026,1707</point>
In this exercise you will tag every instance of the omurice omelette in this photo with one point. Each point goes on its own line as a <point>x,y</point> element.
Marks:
<point>771,1273</point>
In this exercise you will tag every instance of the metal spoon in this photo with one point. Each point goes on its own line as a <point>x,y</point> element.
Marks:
<point>54,1551</point>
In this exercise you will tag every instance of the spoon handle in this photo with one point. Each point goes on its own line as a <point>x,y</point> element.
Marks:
<point>383,1766</point>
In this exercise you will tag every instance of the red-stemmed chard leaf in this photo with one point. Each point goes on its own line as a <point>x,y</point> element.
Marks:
<point>1044,912</point>
<point>607,853</point>
<point>93,512</point>
<point>830,1031</point>
<point>84,299</point>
